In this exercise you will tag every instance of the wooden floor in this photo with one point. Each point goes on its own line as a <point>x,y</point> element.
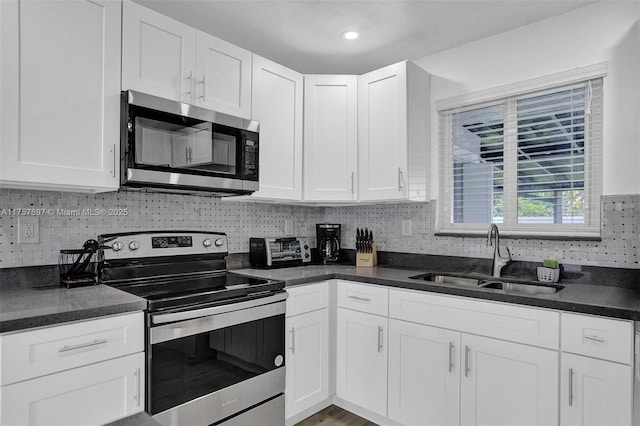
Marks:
<point>333,415</point>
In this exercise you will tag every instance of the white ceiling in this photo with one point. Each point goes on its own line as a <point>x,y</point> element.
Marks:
<point>305,35</point>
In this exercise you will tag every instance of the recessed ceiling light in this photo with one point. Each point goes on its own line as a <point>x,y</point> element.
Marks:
<point>350,35</point>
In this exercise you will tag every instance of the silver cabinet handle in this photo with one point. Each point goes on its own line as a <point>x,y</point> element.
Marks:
<point>82,345</point>
<point>204,87</point>
<point>353,190</point>
<point>138,379</point>
<point>399,179</point>
<point>379,339</point>
<point>467,369</point>
<point>189,86</point>
<point>570,387</point>
<point>113,153</point>
<point>450,357</point>
<point>360,299</point>
<point>594,338</point>
<point>293,340</point>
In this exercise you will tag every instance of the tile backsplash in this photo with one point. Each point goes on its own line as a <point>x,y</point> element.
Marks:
<point>65,224</point>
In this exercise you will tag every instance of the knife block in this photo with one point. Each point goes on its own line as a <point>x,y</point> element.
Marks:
<point>368,259</point>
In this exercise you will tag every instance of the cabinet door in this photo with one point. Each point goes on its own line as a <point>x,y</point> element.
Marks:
<point>60,103</point>
<point>382,133</point>
<point>277,105</point>
<point>223,76</point>
<point>507,384</point>
<point>307,361</point>
<point>158,54</point>
<point>92,395</point>
<point>361,360</point>
<point>330,137</point>
<point>424,374</point>
<point>595,392</point>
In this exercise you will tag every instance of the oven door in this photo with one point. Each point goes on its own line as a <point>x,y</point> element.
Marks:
<point>207,369</point>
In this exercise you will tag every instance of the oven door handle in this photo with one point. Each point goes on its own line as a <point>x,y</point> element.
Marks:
<point>216,310</point>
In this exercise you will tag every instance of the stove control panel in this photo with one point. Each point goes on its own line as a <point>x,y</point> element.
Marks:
<point>170,243</point>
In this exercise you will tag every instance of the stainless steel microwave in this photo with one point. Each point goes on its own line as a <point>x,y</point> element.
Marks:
<point>177,147</point>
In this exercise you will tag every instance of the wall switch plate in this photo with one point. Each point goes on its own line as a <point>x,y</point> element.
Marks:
<point>406,228</point>
<point>28,230</point>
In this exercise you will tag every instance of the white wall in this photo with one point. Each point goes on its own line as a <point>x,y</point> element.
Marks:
<point>607,31</point>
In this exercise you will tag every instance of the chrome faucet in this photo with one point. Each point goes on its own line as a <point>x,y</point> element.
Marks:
<point>499,261</point>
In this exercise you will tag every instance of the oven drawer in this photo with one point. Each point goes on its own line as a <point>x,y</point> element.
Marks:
<point>598,337</point>
<point>271,413</point>
<point>34,353</point>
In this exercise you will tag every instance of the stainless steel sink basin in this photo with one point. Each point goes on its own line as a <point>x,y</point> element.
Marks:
<point>494,283</point>
<point>449,279</point>
<point>523,288</point>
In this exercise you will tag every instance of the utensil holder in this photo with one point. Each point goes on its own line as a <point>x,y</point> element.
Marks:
<point>548,275</point>
<point>368,259</point>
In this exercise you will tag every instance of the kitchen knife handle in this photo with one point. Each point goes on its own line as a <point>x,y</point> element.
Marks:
<point>571,387</point>
<point>467,369</point>
<point>293,340</point>
<point>379,338</point>
<point>451,356</point>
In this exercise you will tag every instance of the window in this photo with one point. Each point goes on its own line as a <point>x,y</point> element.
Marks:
<point>530,162</point>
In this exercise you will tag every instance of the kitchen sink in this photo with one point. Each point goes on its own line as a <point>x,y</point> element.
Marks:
<point>494,283</point>
<point>449,279</point>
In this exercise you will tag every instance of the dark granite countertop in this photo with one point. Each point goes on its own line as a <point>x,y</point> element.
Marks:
<point>584,298</point>
<point>42,306</point>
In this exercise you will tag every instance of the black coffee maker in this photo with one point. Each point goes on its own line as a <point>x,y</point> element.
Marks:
<point>328,238</point>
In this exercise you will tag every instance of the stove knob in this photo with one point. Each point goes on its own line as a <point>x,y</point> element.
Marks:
<point>134,245</point>
<point>117,245</point>
<point>306,255</point>
<point>207,242</point>
<point>306,247</point>
<point>219,242</point>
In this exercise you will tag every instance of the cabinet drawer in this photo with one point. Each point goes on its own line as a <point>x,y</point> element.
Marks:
<point>34,353</point>
<point>91,395</point>
<point>538,327</point>
<point>364,298</point>
<point>598,337</point>
<point>307,298</point>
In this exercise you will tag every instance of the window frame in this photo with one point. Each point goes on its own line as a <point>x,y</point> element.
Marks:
<point>508,96</point>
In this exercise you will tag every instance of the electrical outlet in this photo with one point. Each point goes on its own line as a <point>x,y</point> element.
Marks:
<point>406,228</point>
<point>288,227</point>
<point>28,230</point>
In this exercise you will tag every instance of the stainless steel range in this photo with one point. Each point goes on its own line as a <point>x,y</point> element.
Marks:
<point>215,340</point>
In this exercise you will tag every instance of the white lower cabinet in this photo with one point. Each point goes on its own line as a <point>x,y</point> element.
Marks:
<point>90,395</point>
<point>307,355</point>
<point>507,384</point>
<point>595,392</point>
<point>361,360</point>
<point>424,374</point>
<point>81,373</point>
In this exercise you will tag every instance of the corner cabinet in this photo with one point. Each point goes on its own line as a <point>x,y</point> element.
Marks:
<point>393,133</point>
<point>277,105</point>
<point>330,137</point>
<point>166,58</point>
<point>60,94</point>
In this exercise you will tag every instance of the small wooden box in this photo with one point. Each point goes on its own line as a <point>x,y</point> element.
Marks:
<point>368,259</point>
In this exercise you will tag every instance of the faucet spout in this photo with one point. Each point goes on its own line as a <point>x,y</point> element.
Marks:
<point>499,261</point>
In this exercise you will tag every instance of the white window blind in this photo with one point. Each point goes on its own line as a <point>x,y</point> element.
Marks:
<point>530,162</point>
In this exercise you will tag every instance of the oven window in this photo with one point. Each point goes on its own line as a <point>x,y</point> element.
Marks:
<point>190,367</point>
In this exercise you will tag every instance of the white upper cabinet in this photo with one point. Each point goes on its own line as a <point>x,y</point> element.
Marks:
<point>166,58</point>
<point>60,95</point>
<point>158,54</point>
<point>393,133</point>
<point>330,137</point>
<point>223,76</point>
<point>277,105</point>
